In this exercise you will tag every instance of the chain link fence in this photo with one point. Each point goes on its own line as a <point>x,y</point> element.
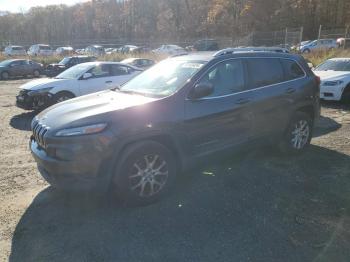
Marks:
<point>287,38</point>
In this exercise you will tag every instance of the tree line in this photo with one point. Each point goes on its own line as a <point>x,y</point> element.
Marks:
<point>168,20</point>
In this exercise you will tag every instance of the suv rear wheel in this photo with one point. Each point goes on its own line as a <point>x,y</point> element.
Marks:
<point>146,173</point>
<point>298,135</point>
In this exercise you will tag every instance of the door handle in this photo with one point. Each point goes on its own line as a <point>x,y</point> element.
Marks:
<point>242,101</point>
<point>290,90</point>
<point>109,82</point>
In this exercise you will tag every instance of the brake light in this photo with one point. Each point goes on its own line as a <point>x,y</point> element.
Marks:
<point>318,80</point>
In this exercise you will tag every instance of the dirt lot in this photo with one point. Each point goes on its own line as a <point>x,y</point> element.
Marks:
<point>255,206</point>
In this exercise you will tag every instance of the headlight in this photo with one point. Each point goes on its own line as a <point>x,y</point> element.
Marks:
<point>40,91</point>
<point>333,83</point>
<point>83,130</point>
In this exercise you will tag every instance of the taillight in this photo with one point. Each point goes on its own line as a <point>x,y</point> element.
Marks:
<point>318,80</point>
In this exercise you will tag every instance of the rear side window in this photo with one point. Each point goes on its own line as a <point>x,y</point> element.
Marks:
<point>264,72</point>
<point>117,70</point>
<point>291,69</point>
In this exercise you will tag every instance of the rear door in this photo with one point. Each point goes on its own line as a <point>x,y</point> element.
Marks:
<point>224,118</point>
<point>273,95</point>
<point>120,74</point>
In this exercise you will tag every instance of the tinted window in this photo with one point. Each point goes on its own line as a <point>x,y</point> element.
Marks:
<point>291,69</point>
<point>227,78</point>
<point>264,72</point>
<point>117,70</point>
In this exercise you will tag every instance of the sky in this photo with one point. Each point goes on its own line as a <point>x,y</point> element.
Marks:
<point>24,5</point>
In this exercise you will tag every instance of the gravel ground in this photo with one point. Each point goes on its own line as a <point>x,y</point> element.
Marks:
<point>254,206</point>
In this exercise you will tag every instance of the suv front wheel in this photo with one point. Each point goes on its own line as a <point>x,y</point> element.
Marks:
<point>146,173</point>
<point>298,135</point>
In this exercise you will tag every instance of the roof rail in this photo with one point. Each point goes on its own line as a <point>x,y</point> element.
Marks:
<point>227,51</point>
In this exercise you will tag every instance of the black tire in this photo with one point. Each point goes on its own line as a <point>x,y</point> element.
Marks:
<point>36,73</point>
<point>298,135</point>
<point>5,75</point>
<point>345,98</point>
<point>133,179</point>
<point>307,51</point>
<point>62,96</point>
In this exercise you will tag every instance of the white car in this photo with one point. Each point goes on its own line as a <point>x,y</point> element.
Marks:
<point>335,79</point>
<point>40,49</point>
<point>78,80</point>
<point>170,50</point>
<point>317,45</point>
<point>14,50</point>
<point>64,50</point>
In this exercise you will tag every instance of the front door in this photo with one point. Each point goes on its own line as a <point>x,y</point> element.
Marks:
<point>101,80</point>
<point>224,118</point>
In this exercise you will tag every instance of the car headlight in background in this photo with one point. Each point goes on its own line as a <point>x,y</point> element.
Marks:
<point>332,83</point>
<point>83,130</point>
<point>40,91</point>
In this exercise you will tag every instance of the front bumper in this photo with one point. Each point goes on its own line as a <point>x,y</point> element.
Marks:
<point>79,170</point>
<point>331,93</point>
<point>27,102</point>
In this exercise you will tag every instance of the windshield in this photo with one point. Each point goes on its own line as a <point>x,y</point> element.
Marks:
<point>74,72</point>
<point>5,63</point>
<point>163,79</point>
<point>64,61</point>
<point>334,65</point>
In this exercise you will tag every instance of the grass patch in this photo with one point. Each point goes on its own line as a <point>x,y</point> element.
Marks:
<point>319,57</point>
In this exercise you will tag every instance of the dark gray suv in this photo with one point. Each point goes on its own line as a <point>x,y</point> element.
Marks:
<point>133,140</point>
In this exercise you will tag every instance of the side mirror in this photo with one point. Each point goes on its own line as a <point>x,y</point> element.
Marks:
<point>86,76</point>
<point>201,90</point>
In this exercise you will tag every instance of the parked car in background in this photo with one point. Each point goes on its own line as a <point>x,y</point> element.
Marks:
<point>19,67</point>
<point>67,62</point>
<point>80,51</point>
<point>335,79</point>
<point>94,50</point>
<point>317,45</point>
<point>76,81</point>
<point>141,50</point>
<point>204,45</point>
<point>40,50</point>
<point>127,49</point>
<point>14,50</point>
<point>170,50</point>
<point>143,63</point>
<point>64,50</point>
<point>344,43</point>
<point>135,140</point>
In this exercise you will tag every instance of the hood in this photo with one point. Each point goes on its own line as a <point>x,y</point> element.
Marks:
<point>41,83</point>
<point>332,75</point>
<point>82,110</point>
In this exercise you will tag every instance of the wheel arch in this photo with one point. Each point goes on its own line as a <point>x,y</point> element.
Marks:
<point>308,109</point>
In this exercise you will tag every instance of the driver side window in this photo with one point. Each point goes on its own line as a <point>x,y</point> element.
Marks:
<point>99,71</point>
<point>226,77</point>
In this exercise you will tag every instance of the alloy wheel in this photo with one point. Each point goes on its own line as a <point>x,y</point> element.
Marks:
<point>148,175</point>
<point>300,134</point>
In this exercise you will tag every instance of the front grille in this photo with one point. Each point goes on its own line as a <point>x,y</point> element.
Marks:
<point>39,131</point>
